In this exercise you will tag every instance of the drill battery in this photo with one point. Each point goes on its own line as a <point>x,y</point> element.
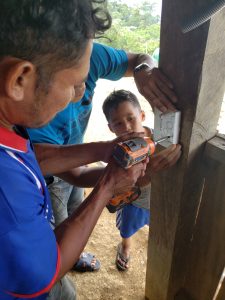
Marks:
<point>127,154</point>
<point>123,199</point>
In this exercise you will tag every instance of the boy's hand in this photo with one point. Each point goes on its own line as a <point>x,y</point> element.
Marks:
<point>109,145</point>
<point>159,162</point>
<point>156,88</point>
<point>165,158</point>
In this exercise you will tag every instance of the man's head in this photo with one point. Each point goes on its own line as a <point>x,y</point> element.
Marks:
<point>123,112</point>
<point>38,40</point>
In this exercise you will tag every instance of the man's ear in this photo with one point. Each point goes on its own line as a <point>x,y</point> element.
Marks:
<point>110,128</point>
<point>142,115</point>
<point>18,78</point>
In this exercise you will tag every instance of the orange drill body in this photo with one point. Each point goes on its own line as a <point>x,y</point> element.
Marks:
<point>127,154</point>
<point>133,151</point>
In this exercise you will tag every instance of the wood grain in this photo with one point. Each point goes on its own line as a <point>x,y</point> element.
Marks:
<point>195,63</point>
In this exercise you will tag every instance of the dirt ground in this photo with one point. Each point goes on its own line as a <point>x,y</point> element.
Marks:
<point>108,282</point>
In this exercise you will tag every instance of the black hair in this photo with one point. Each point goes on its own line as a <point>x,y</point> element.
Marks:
<point>117,97</point>
<point>50,31</point>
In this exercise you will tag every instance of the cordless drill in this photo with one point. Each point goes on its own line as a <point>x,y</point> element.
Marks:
<point>127,154</point>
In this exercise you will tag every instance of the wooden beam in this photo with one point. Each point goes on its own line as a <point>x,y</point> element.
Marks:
<point>221,294</point>
<point>195,63</point>
<point>215,149</point>
<point>206,258</point>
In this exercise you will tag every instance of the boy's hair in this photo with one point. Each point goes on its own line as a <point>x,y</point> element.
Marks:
<point>115,98</point>
<point>50,32</point>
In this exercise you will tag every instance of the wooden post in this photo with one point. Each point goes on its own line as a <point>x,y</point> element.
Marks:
<point>195,63</point>
<point>206,259</point>
<point>221,295</point>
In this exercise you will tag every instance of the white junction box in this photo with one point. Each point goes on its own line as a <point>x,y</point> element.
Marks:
<point>167,124</point>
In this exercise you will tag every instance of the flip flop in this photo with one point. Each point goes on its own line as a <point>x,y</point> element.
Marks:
<point>84,263</point>
<point>121,261</point>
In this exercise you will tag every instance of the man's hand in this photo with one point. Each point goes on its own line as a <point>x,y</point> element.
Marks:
<point>156,88</point>
<point>118,179</point>
<point>165,158</point>
<point>109,145</point>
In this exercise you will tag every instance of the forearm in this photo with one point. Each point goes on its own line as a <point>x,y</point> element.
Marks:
<point>72,235</point>
<point>151,82</point>
<point>136,59</point>
<point>55,159</point>
<point>82,177</point>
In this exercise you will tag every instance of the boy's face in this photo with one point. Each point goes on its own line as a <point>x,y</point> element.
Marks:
<point>126,118</point>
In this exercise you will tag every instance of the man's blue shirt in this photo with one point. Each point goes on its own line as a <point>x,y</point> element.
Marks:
<point>28,251</point>
<point>68,127</point>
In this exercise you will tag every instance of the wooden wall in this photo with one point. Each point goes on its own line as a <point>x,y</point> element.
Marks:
<point>187,231</point>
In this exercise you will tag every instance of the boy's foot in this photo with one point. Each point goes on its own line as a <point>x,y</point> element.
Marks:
<point>121,259</point>
<point>87,263</point>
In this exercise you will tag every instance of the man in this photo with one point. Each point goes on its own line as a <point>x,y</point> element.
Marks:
<point>69,126</point>
<point>45,48</point>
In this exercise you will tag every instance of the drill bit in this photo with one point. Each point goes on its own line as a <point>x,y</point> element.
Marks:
<point>162,139</point>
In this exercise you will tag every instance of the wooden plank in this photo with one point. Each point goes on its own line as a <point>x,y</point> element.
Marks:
<point>221,294</point>
<point>207,260</point>
<point>194,61</point>
<point>183,294</point>
<point>215,149</point>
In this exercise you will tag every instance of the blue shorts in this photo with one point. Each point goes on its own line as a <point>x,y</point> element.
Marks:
<point>130,219</point>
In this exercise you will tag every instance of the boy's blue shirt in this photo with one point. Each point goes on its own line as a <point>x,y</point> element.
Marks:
<point>69,126</point>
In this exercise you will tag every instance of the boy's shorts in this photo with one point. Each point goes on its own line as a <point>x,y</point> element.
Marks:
<point>130,219</point>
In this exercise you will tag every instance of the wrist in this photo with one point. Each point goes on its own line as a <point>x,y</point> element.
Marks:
<point>99,150</point>
<point>106,183</point>
<point>142,67</point>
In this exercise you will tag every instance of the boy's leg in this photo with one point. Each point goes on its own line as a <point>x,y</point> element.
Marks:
<point>123,254</point>
<point>126,246</point>
<point>129,220</point>
<point>63,290</point>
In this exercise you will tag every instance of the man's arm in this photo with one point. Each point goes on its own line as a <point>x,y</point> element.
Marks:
<point>151,82</point>
<point>55,159</point>
<point>73,233</point>
<point>86,176</point>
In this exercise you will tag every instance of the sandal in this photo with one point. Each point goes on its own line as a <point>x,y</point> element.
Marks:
<point>121,261</point>
<point>84,264</point>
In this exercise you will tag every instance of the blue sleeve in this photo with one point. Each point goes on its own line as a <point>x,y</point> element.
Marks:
<point>29,256</point>
<point>107,62</point>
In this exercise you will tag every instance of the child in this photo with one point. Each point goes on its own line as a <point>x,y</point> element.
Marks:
<point>123,113</point>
